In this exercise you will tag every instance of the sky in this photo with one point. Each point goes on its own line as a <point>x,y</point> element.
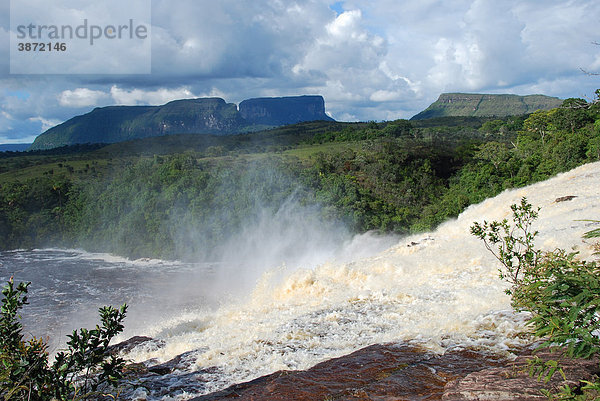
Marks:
<point>370,59</point>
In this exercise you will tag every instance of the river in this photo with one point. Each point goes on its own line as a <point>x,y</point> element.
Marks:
<point>439,290</point>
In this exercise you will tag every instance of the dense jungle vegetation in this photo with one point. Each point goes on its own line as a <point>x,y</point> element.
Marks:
<point>180,196</point>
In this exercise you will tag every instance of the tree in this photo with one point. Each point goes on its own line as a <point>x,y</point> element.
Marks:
<point>494,152</point>
<point>571,115</point>
<point>538,123</point>
<point>593,147</point>
<point>398,128</point>
<point>494,127</point>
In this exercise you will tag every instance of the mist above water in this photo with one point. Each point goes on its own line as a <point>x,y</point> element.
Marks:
<point>292,237</point>
<point>69,285</point>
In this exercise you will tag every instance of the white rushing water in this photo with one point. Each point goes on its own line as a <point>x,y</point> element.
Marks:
<point>439,289</point>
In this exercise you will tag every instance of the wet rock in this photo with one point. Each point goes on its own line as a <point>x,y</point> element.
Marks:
<point>379,372</point>
<point>128,345</point>
<point>150,380</point>
<point>182,361</point>
<point>513,382</point>
<point>174,378</point>
<point>565,198</point>
<point>421,241</point>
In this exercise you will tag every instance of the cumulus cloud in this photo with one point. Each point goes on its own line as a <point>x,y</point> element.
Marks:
<point>228,38</point>
<point>371,59</point>
<point>85,97</point>
<point>18,131</point>
<point>485,46</point>
<point>385,96</point>
<point>81,97</point>
<point>345,48</point>
<point>132,97</point>
<point>46,124</point>
<point>94,39</point>
<point>353,61</point>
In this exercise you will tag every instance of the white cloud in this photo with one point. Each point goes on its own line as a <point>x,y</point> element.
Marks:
<point>385,96</point>
<point>228,38</point>
<point>345,44</point>
<point>46,124</point>
<point>347,26</point>
<point>81,97</point>
<point>88,49</point>
<point>153,97</point>
<point>353,61</point>
<point>456,62</point>
<point>378,59</point>
<point>483,46</point>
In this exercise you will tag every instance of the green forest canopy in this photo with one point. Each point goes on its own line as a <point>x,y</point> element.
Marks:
<point>142,198</point>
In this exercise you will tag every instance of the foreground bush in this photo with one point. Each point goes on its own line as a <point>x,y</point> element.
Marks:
<point>77,373</point>
<point>561,292</point>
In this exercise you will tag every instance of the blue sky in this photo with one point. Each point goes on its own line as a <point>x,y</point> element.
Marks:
<point>370,59</point>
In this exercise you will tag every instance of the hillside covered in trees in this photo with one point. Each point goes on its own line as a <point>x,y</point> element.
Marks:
<point>186,116</point>
<point>181,196</point>
<point>484,105</point>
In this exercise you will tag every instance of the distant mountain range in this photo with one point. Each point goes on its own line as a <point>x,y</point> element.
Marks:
<point>482,105</point>
<point>14,147</point>
<point>189,116</point>
<point>214,116</point>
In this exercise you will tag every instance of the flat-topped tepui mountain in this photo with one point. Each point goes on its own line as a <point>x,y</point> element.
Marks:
<point>485,105</point>
<point>284,110</point>
<point>189,116</point>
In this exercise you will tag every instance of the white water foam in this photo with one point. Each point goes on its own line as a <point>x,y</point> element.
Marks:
<point>440,289</point>
<point>80,254</point>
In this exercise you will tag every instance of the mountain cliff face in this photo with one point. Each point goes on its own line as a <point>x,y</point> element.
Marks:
<point>189,116</point>
<point>284,110</point>
<point>212,115</point>
<point>480,105</point>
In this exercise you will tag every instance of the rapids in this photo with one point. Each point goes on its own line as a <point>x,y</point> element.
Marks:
<point>440,290</point>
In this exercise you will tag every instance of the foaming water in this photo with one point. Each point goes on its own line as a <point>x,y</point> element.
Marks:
<point>439,289</point>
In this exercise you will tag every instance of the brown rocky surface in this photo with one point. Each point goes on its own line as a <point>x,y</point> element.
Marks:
<point>388,372</point>
<point>379,372</point>
<point>513,382</point>
<point>565,198</point>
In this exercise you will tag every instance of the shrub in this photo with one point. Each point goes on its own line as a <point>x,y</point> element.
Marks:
<point>561,292</point>
<point>513,245</point>
<point>77,373</point>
